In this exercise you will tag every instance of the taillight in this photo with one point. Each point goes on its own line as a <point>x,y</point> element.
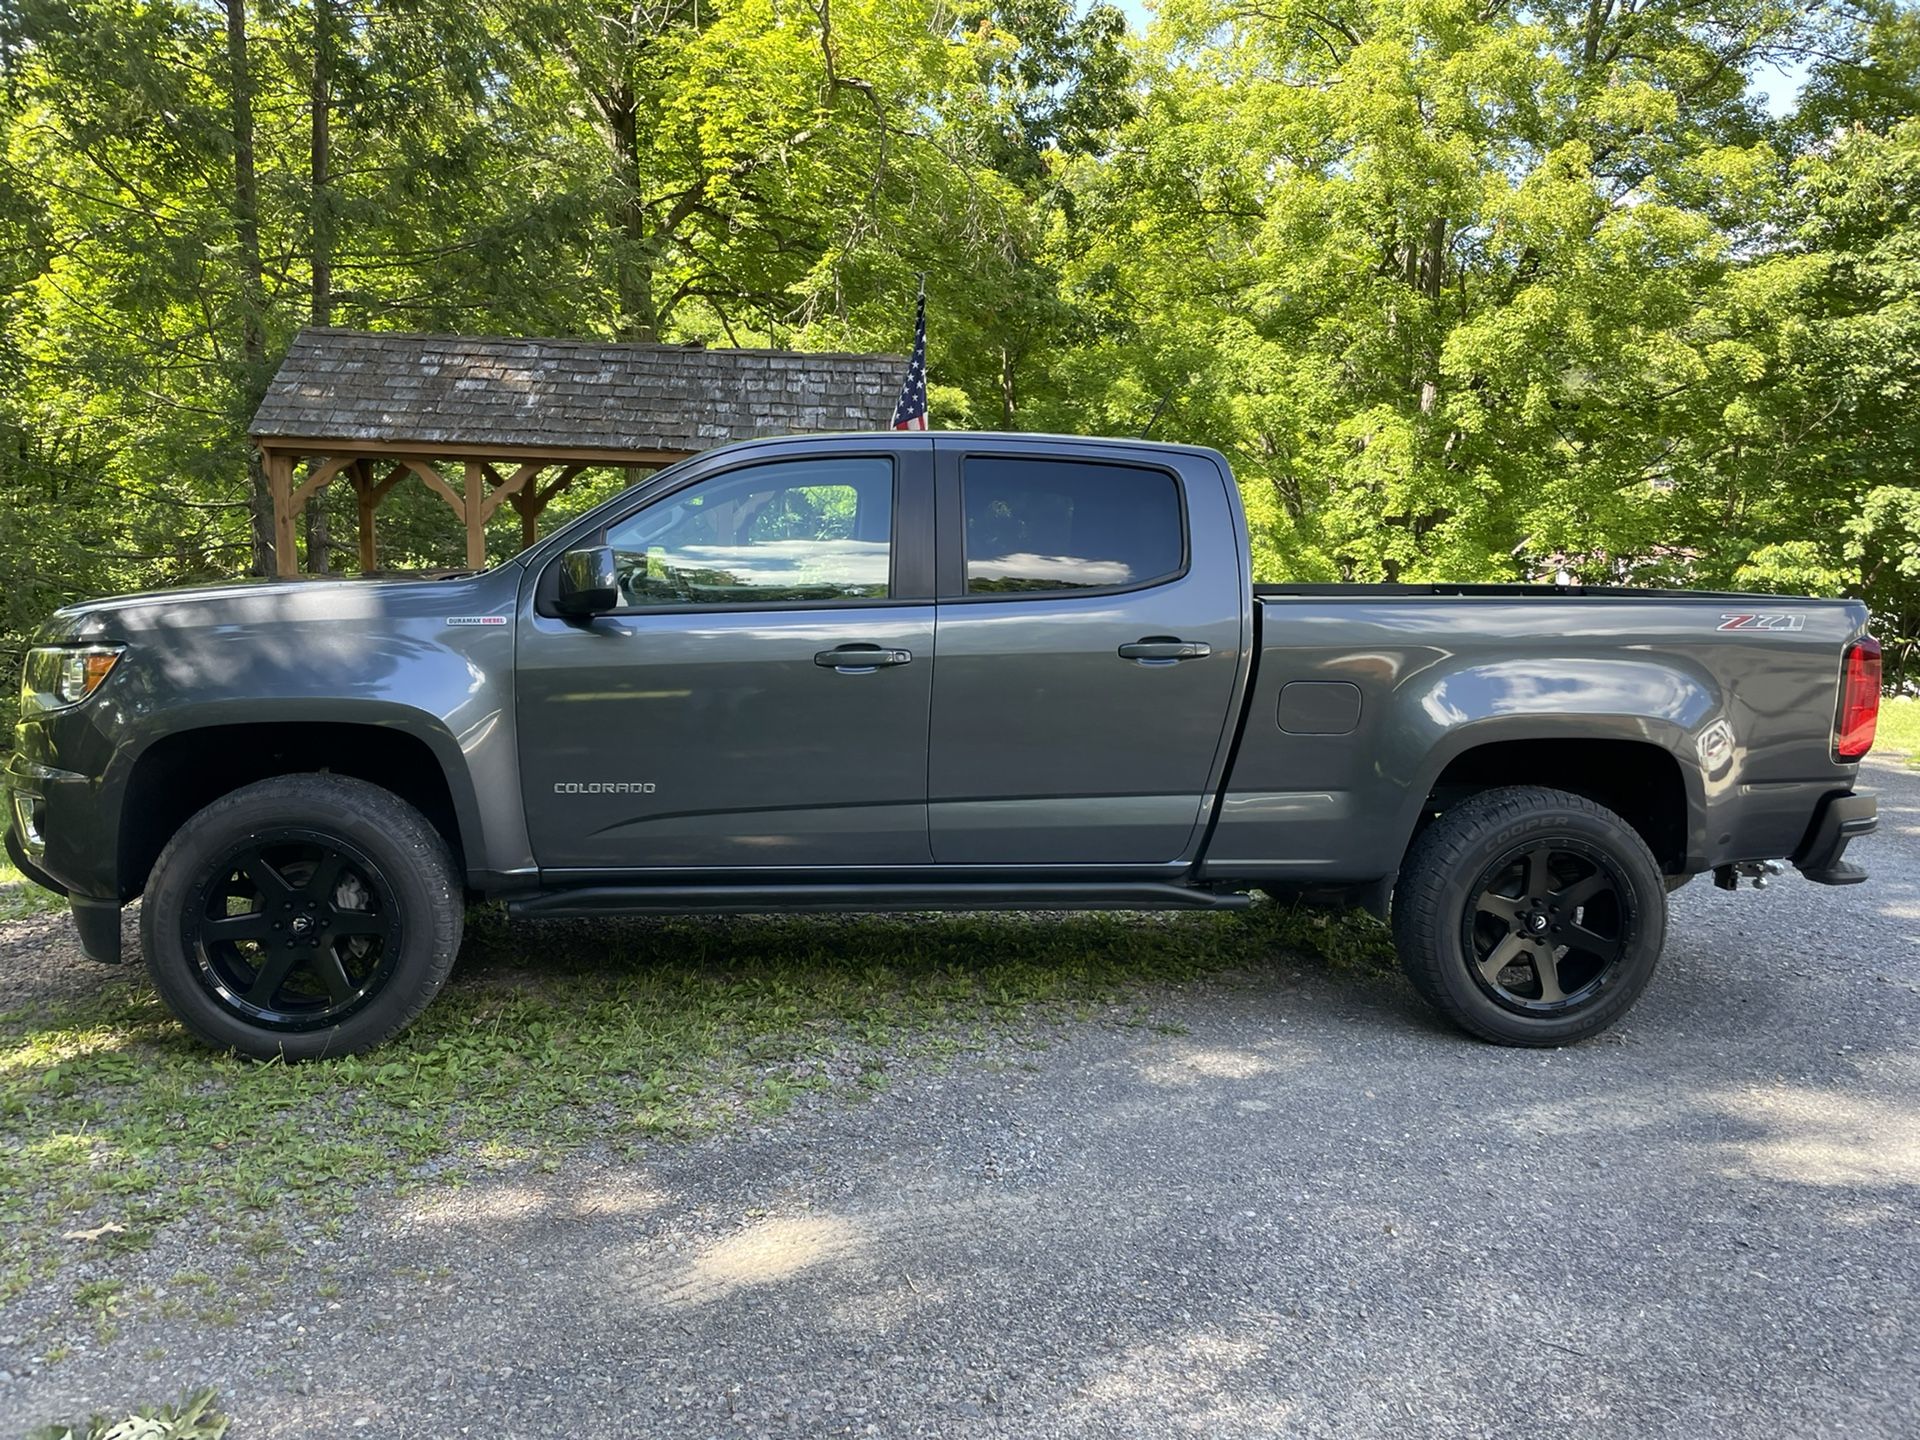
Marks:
<point>1859,699</point>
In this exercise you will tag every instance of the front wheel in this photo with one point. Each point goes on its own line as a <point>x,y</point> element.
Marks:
<point>301,916</point>
<point>1530,916</point>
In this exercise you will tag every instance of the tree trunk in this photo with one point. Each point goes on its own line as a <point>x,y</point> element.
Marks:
<point>320,228</point>
<point>633,281</point>
<point>246,230</point>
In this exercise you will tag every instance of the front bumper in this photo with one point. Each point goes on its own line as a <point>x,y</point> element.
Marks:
<point>1840,819</point>
<point>51,834</point>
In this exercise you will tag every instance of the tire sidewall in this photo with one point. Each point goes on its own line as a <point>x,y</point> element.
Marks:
<point>421,888</point>
<point>1456,890</point>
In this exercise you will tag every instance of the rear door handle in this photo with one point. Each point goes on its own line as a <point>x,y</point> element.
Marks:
<point>860,659</point>
<point>1164,650</point>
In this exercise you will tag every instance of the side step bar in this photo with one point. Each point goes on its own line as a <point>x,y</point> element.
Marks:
<point>779,899</point>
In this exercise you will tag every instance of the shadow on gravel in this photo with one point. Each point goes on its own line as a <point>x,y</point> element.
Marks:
<point>550,1037</point>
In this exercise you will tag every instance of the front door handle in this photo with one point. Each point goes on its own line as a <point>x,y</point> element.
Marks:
<point>1164,650</point>
<point>861,659</point>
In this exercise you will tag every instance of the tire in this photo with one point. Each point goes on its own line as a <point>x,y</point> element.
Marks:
<point>302,916</point>
<point>1522,950</point>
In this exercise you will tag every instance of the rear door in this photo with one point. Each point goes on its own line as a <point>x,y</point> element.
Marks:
<point>1091,642</point>
<point>760,699</point>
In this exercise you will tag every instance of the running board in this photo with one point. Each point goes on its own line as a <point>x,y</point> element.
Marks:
<point>784,899</point>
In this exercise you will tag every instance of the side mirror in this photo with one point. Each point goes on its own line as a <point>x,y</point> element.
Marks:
<point>589,585</point>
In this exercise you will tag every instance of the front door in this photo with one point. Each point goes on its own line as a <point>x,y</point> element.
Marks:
<point>760,698</point>
<point>1091,649</point>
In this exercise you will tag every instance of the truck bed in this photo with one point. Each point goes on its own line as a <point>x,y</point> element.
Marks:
<point>1707,715</point>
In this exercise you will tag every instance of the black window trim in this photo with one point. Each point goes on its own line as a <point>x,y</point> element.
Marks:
<point>954,516</point>
<point>896,460</point>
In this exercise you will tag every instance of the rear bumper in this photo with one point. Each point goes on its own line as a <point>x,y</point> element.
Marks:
<point>1841,818</point>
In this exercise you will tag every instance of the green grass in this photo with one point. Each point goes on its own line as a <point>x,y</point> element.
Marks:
<point>1899,732</point>
<point>548,1040</point>
<point>20,897</point>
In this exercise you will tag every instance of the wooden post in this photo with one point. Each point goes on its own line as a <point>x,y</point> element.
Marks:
<point>476,517</point>
<point>286,562</point>
<point>363,492</point>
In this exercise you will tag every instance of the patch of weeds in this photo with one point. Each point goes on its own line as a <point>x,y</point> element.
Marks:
<point>623,1032</point>
<point>1346,939</point>
<point>99,1295</point>
<point>194,1417</point>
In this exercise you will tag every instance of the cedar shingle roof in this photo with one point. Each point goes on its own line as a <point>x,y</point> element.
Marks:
<point>387,388</point>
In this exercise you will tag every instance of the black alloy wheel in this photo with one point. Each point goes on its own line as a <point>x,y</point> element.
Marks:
<point>1530,916</point>
<point>1550,922</point>
<point>293,929</point>
<point>302,916</point>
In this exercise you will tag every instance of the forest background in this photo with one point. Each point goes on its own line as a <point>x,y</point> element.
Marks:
<point>1613,291</point>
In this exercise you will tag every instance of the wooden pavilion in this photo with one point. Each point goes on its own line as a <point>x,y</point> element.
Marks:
<point>486,422</point>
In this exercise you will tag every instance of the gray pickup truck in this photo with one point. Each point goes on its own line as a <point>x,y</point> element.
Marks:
<point>920,672</point>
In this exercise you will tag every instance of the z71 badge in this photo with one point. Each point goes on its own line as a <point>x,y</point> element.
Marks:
<point>1775,620</point>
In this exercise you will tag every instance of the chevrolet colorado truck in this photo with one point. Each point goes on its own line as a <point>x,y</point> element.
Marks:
<point>920,672</point>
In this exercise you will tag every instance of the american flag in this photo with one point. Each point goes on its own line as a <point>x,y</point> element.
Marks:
<point>911,412</point>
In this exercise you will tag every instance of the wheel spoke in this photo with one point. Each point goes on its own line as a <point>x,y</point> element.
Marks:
<point>271,975</point>
<point>360,922</point>
<point>1547,967</point>
<point>252,926</point>
<point>1606,947</point>
<point>1500,907</point>
<point>333,975</point>
<point>271,884</point>
<point>326,877</point>
<point>1582,891</point>
<point>1502,955</point>
<point>1539,876</point>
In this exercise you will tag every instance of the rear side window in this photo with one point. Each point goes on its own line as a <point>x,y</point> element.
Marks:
<point>1038,526</point>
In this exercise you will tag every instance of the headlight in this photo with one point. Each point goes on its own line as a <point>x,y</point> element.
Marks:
<point>57,676</point>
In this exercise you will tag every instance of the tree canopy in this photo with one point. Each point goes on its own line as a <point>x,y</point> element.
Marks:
<point>1466,290</point>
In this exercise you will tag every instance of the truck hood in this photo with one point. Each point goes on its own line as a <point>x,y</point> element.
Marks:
<point>246,603</point>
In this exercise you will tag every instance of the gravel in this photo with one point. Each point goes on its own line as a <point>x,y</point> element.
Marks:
<point>1297,1205</point>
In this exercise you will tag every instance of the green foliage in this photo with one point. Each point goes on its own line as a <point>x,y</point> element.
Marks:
<point>1467,291</point>
<point>1899,729</point>
<point>193,1417</point>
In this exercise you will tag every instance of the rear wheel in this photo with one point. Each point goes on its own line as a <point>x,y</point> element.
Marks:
<point>302,916</point>
<point>1530,916</point>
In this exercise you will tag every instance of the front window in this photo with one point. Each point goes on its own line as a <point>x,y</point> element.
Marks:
<point>785,533</point>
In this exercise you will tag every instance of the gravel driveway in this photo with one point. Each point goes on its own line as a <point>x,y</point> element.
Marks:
<point>1297,1206</point>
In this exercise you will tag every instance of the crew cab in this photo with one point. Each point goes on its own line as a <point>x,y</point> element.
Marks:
<point>912,671</point>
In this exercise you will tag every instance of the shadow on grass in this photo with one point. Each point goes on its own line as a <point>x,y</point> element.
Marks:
<point>555,1036</point>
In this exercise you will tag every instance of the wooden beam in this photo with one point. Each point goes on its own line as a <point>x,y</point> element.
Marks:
<point>286,562</point>
<point>318,478</point>
<point>298,446</point>
<point>476,516</point>
<point>556,485</point>
<point>521,478</point>
<point>394,477</point>
<point>434,481</point>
